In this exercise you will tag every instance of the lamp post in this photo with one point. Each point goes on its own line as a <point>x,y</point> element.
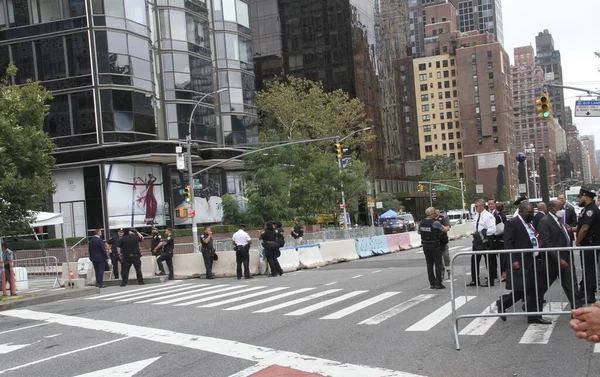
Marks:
<point>190,171</point>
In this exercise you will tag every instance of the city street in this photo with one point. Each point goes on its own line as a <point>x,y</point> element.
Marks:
<point>372,317</point>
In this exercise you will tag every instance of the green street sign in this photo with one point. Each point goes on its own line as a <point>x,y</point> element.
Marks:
<point>441,188</point>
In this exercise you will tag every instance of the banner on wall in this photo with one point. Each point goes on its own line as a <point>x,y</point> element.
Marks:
<point>134,195</point>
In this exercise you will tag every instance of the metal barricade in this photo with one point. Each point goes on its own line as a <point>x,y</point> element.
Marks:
<point>535,276</point>
<point>41,272</point>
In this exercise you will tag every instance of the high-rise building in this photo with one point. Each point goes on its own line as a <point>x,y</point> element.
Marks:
<point>590,145</point>
<point>527,84</point>
<point>574,147</point>
<point>549,59</point>
<point>586,168</point>
<point>126,76</point>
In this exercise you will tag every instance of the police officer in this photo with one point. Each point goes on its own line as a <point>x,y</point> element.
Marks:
<point>588,234</point>
<point>165,253</point>
<point>431,231</point>
<point>270,242</point>
<point>130,254</point>
<point>156,245</point>
<point>114,254</point>
<point>444,241</point>
<point>241,241</point>
<point>207,250</point>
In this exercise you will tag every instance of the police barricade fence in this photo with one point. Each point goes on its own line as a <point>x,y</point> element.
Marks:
<point>41,272</point>
<point>529,282</point>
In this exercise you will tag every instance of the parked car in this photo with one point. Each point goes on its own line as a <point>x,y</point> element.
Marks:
<point>393,226</point>
<point>409,221</point>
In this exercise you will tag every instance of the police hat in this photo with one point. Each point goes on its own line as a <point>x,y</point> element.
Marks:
<point>121,230</point>
<point>584,192</point>
<point>242,225</point>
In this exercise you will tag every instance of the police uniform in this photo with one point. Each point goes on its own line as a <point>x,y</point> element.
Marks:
<point>131,256</point>
<point>114,254</point>
<point>590,215</point>
<point>166,255</point>
<point>431,231</point>
<point>444,242</point>
<point>207,250</point>
<point>270,241</point>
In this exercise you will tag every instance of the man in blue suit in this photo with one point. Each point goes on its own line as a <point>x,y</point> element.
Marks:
<point>98,256</point>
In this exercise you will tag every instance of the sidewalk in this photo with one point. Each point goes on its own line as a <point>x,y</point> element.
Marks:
<point>44,296</point>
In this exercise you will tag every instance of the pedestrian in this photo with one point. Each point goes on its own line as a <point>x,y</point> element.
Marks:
<point>208,250</point>
<point>272,252</point>
<point>525,278</point>
<point>588,234</point>
<point>444,242</point>
<point>491,260</point>
<point>498,239</point>
<point>484,226</point>
<point>156,248</point>
<point>129,251</point>
<point>431,232</point>
<point>241,242</point>
<point>298,232</point>
<point>164,251</point>
<point>98,256</point>
<point>570,217</point>
<point>7,257</point>
<point>114,254</point>
<point>542,211</point>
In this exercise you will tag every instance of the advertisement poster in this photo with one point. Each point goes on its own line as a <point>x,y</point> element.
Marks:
<point>134,195</point>
<point>208,202</point>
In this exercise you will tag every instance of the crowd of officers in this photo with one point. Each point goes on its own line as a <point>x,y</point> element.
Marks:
<point>528,275</point>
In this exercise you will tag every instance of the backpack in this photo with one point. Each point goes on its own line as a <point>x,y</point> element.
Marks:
<point>280,238</point>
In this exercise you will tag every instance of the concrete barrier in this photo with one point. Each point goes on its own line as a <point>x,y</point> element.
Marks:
<point>379,245</point>
<point>415,239</point>
<point>148,270</point>
<point>189,265</point>
<point>363,247</point>
<point>394,241</point>
<point>453,233</point>
<point>404,241</point>
<point>339,251</point>
<point>310,256</point>
<point>289,260</point>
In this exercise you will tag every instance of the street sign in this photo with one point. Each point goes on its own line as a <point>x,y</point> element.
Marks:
<point>197,184</point>
<point>479,189</point>
<point>522,187</point>
<point>180,162</point>
<point>587,108</point>
<point>191,213</point>
<point>370,203</point>
<point>379,204</point>
<point>342,206</point>
<point>441,188</point>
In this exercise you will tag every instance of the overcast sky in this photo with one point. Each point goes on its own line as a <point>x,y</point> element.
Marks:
<point>574,25</point>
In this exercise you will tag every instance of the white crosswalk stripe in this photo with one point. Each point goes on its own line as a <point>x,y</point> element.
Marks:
<point>156,293</point>
<point>377,319</point>
<point>242,298</point>
<point>132,291</point>
<point>540,334</point>
<point>128,294</point>
<point>323,304</point>
<point>269,299</point>
<point>297,301</point>
<point>453,248</point>
<point>479,326</point>
<point>219,296</point>
<point>439,315</point>
<point>170,295</point>
<point>361,305</point>
<point>205,292</point>
<point>466,249</point>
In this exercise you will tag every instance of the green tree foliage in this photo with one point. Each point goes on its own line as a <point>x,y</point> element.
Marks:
<point>231,211</point>
<point>443,168</point>
<point>26,164</point>
<point>389,201</point>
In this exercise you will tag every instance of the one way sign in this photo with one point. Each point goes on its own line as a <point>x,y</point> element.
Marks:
<point>587,108</point>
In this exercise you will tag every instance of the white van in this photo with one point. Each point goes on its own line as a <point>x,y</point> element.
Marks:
<point>458,216</point>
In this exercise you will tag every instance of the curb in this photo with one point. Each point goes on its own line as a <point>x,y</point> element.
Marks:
<point>64,295</point>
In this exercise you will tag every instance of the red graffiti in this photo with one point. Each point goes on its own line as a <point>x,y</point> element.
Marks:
<point>146,199</point>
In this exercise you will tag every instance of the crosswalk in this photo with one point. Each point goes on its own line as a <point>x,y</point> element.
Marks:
<point>427,310</point>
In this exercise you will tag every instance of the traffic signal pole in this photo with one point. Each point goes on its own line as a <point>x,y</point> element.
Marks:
<point>191,184</point>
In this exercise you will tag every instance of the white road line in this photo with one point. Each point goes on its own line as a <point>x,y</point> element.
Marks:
<point>326,303</point>
<point>187,292</point>
<point>204,299</point>
<point>123,370</point>
<point>224,347</point>
<point>155,293</point>
<point>131,291</point>
<point>419,251</point>
<point>23,328</point>
<point>540,334</point>
<point>8,348</point>
<point>53,336</point>
<point>375,272</point>
<point>467,249</point>
<point>356,277</point>
<point>129,294</point>
<point>453,248</point>
<point>242,298</point>
<point>268,299</point>
<point>251,371</point>
<point>481,325</point>
<point>297,301</point>
<point>439,315</point>
<point>332,283</point>
<point>377,319</point>
<point>361,305</point>
<point>201,294</point>
<point>597,348</point>
<point>62,354</point>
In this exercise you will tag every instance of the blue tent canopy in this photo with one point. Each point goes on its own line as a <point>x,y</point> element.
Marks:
<point>390,214</point>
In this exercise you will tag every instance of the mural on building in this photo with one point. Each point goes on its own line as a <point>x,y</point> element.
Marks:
<point>207,198</point>
<point>134,195</point>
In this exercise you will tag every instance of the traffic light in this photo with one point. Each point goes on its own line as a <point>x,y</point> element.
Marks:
<point>188,194</point>
<point>543,107</point>
<point>337,148</point>
<point>420,188</point>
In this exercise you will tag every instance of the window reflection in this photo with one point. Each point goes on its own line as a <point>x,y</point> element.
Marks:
<point>78,54</point>
<point>197,30</point>
<point>229,13</point>
<point>3,22</point>
<point>18,12</point>
<point>242,14</point>
<point>232,46</point>
<point>114,8</point>
<point>23,58</point>
<point>135,10</point>
<point>45,10</point>
<point>50,58</point>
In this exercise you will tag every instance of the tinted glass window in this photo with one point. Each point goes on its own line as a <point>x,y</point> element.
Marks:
<point>75,8</point>
<point>242,14</point>
<point>18,14</point>
<point>50,58</point>
<point>135,10</point>
<point>45,10</point>
<point>4,60</point>
<point>122,100</point>
<point>114,8</point>
<point>78,53</point>
<point>58,122</point>
<point>3,20</point>
<point>83,112</point>
<point>23,58</point>
<point>138,47</point>
<point>117,43</point>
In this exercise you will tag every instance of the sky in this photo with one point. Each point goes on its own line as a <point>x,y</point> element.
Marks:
<point>573,25</point>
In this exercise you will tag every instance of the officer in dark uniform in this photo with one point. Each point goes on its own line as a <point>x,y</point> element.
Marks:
<point>114,253</point>
<point>165,253</point>
<point>444,242</point>
<point>270,242</point>
<point>431,233</point>
<point>588,234</point>
<point>156,245</point>
<point>207,250</point>
<point>130,254</point>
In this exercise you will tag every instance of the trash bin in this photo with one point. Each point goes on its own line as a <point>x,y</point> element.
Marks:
<point>85,270</point>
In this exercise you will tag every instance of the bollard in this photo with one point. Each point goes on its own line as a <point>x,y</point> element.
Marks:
<point>13,287</point>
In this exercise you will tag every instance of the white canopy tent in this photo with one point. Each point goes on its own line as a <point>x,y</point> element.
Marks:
<point>40,219</point>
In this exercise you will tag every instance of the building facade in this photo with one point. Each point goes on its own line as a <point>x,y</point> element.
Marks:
<point>575,151</point>
<point>590,149</point>
<point>126,76</point>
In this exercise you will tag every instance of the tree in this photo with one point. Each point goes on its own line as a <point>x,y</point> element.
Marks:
<point>26,167</point>
<point>389,201</point>
<point>443,168</point>
<point>231,211</point>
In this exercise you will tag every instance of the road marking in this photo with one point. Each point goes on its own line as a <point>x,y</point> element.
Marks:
<point>297,301</point>
<point>326,303</point>
<point>186,292</point>
<point>203,293</point>
<point>129,294</point>
<point>251,371</point>
<point>66,319</point>
<point>439,315</point>
<point>155,293</point>
<point>540,334</point>
<point>361,305</point>
<point>204,299</point>
<point>242,298</point>
<point>377,271</point>
<point>131,291</point>
<point>238,350</point>
<point>356,277</point>
<point>268,299</point>
<point>479,326</point>
<point>467,249</point>
<point>130,369</point>
<point>377,319</point>
<point>453,248</point>
<point>332,283</point>
<point>23,328</point>
<point>419,251</point>
<point>6,348</point>
<point>53,336</point>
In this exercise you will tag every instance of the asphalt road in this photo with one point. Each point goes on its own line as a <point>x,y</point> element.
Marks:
<point>373,317</point>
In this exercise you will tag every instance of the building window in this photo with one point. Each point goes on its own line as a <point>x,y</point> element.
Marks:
<point>426,118</point>
<point>451,146</point>
<point>422,67</point>
<point>476,89</point>
<point>455,104</point>
<point>424,97</point>
<point>456,114</point>
<point>439,75</point>
<point>440,85</point>
<point>448,104</point>
<point>449,115</point>
<point>423,87</point>
<point>443,136</point>
<point>428,148</point>
<point>493,107</point>
<point>447,94</point>
<point>455,93</point>
<point>437,64</point>
<point>496,140</point>
<point>477,110</point>
<point>491,75</point>
<point>445,63</point>
<point>475,78</point>
<point>459,146</point>
<point>428,138</point>
<point>450,136</point>
<point>452,62</point>
<point>446,73</point>
<point>426,128</point>
<point>492,97</point>
<point>423,77</point>
<point>444,147</point>
<point>424,107</point>
<point>489,54</point>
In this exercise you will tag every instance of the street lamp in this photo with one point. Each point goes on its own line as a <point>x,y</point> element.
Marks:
<point>190,171</point>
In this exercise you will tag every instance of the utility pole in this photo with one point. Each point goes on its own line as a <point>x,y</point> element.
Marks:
<point>462,196</point>
<point>343,195</point>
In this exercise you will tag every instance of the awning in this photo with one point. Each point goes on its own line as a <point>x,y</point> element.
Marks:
<point>390,214</point>
<point>46,219</point>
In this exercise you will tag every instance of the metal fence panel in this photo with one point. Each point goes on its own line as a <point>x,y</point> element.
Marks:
<point>42,271</point>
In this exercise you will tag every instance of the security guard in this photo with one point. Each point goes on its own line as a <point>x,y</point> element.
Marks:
<point>130,254</point>
<point>444,241</point>
<point>431,232</point>
<point>165,253</point>
<point>588,234</point>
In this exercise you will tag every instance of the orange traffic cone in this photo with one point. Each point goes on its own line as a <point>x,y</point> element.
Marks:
<point>71,275</point>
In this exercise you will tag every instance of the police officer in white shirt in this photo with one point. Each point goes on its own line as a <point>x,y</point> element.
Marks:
<point>484,226</point>
<point>241,242</point>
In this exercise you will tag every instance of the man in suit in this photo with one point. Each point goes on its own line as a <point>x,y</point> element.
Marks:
<point>520,234</point>
<point>570,216</point>
<point>484,227</point>
<point>555,234</point>
<point>542,210</point>
<point>98,256</point>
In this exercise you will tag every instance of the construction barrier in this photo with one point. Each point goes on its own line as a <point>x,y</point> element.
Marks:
<point>397,242</point>
<point>379,245</point>
<point>190,265</point>
<point>415,239</point>
<point>339,251</point>
<point>289,260</point>
<point>363,247</point>
<point>310,256</point>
